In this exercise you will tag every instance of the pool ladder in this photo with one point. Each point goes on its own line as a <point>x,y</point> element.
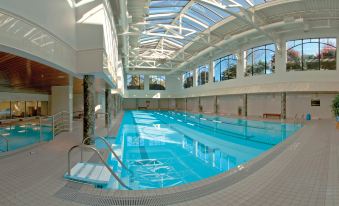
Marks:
<point>297,120</point>
<point>96,151</point>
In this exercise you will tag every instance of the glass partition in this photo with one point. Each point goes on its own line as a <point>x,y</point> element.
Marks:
<point>5,110</point>
<point>31,109</point>
<point>43,108</point>
<point>18,109</point>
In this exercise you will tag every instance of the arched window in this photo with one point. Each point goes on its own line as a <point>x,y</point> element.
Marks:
<point>135,82</point>
<point>225,68</point>
<point>202,74</point>
<point>188,79</point>
<point>311,54</point>
<point>157,82</point>
<point>260,60</point>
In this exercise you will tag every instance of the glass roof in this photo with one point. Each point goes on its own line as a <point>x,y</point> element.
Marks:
<point>175,23</point>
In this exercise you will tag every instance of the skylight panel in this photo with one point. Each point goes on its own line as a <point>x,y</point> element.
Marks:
<point>164,10</point>
<point>199,17</point>
<point>220,12</point>
<point>207,12</point>
<point>185,24</point>
<point>201,28</point>
<point>162,16</point>
<point>161,21</point>
<point>168,3</point>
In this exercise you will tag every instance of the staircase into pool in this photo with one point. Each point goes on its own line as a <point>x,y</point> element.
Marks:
<point>90,173</point>
<point>97,174</point>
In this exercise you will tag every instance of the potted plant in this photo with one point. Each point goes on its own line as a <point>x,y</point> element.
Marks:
<point>335,109</point>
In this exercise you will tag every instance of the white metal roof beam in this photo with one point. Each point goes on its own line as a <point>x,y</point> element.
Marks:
<point>188,5</point>
<point>218,4</point>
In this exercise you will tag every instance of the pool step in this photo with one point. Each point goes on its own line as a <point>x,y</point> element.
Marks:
<point>90,173</point>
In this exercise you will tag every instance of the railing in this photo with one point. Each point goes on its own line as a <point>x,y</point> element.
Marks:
<point>78,114</point>
<point>111,150</point>
<point>59,122</point>
<point>297,120</point>
<point>7,142</point>
<point>82,146</point>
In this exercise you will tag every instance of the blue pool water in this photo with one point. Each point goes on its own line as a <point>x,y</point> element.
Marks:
<point>165,148</point>
<point>20,136</point>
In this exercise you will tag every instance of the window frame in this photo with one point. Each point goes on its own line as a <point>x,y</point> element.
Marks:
<point>227,58</point>
<point>199,70</point>
<point>185,76</point>
<point>251,51</point>
<point>141,86</point>
<point>158,79</point>
<point>309,41</point>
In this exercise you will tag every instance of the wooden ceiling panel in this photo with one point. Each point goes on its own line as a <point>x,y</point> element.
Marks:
<point>19,73</point>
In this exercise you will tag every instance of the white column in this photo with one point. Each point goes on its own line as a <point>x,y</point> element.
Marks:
<point>211,72</point>
<point>62,100</point>
<point>280,58</point>
<point>195,77</point>
<point>70,102</point>
<point>241,64</point>
<point>146,83</point>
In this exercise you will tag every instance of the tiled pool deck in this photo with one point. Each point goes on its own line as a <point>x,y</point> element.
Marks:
<point>304,170</point>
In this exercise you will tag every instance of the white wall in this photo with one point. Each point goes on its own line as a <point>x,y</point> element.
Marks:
<point>208,104</point>
<point>193,104</point>
<point>78,102</point>
<point>164,104</point>
<point>60,99</point>
<point>301,104</point>
<point>229,104</point>
<point>180,104</point>
<point>258,104</point>
<point>172,82</point>
<point>130,103</point>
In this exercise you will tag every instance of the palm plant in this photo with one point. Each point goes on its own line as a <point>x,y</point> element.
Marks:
<point>335,107</point>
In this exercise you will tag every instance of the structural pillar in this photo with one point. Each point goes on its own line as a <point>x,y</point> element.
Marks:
<point>70,102</point>
<point>89,108</point>
<point>215,104</point>
<point>211,72</point>
<point>244,107</point>
<point>283,105</point>
<point>114,106</point>
<point>185,105</point>
<point>200,109</point>
<point>108,107</point>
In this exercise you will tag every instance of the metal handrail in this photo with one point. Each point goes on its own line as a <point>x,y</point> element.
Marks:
<point>55,121</point>
<point>111,149</point>
<point>81,146</point>
<point>7,142</point>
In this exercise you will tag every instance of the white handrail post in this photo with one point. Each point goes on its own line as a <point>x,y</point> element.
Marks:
<point>53,127</point>
<point>40,129</point>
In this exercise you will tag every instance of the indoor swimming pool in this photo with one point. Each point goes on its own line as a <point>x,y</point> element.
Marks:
<point>14,137</point>
<point>165,149</point>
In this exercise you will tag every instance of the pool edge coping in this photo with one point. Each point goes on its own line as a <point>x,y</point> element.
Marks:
<point>231,177</point>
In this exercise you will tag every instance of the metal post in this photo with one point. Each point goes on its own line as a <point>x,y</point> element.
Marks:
<point>53,128</point>
<point>40,129</point>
